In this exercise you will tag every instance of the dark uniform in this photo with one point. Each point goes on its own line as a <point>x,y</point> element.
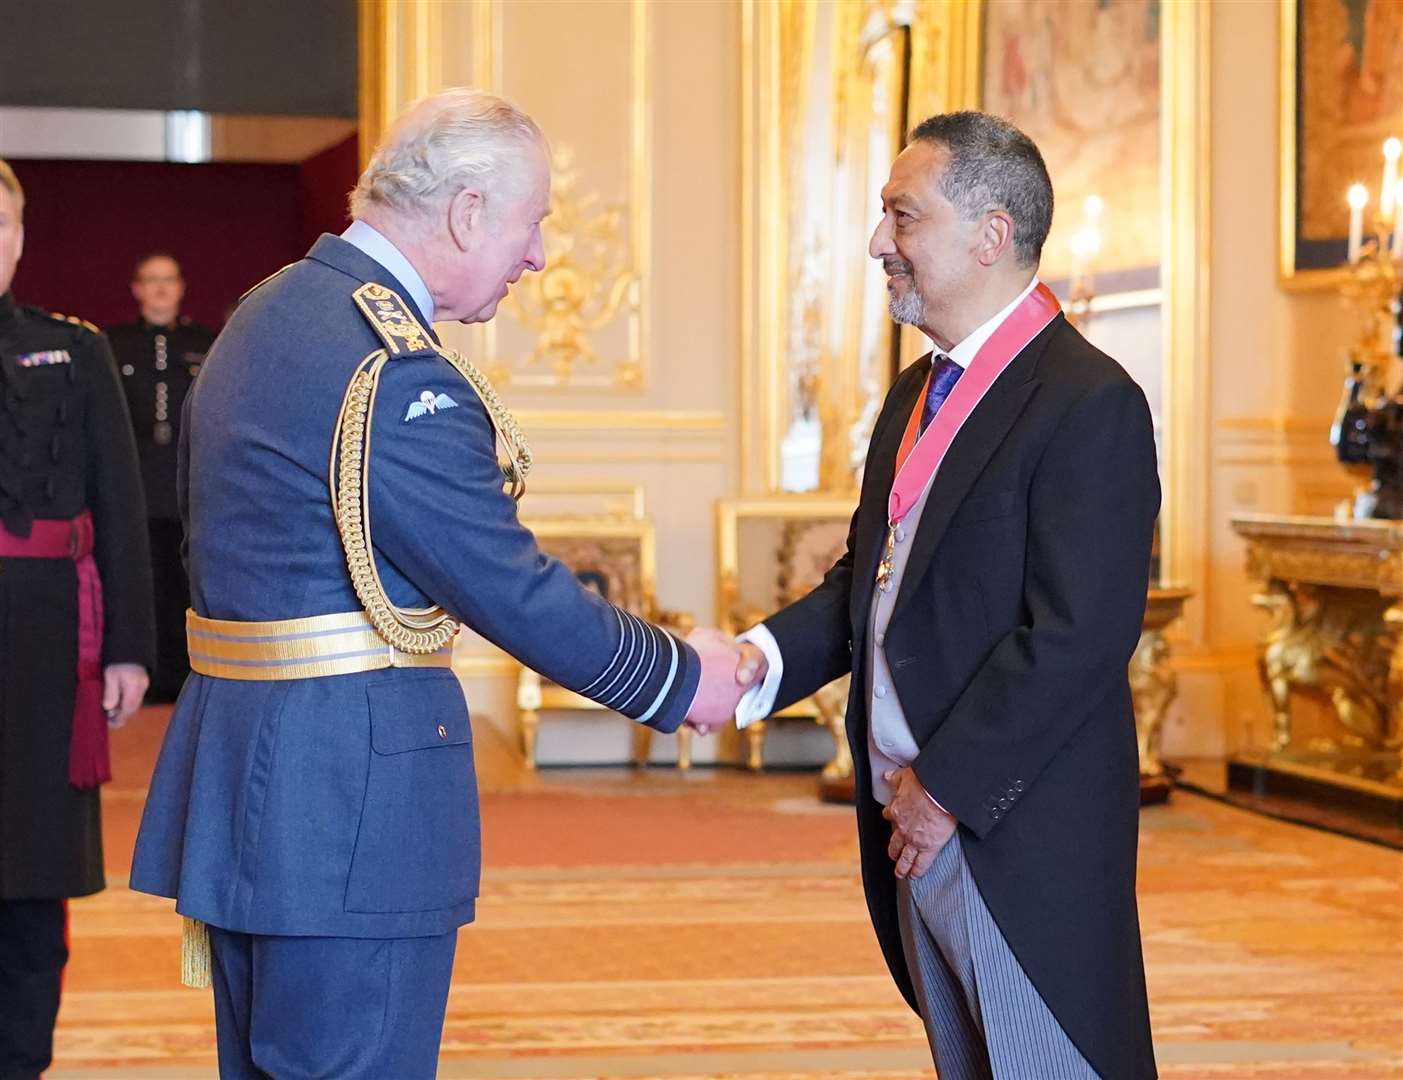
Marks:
<point>158,366</point>
<point>66,456</point>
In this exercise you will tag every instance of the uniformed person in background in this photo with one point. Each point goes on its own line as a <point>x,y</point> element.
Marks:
<point>159,356</point>
<point>76,633</point>
<point>314,805</point>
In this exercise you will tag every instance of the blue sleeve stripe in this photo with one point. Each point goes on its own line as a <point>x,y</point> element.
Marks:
<point>662,694</point>
<point>646,671</point>
<point>617,653</point>
<point>608,693</point>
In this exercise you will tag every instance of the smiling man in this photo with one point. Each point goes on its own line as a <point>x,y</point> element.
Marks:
<point>314,809</point>
<point>987,605</point>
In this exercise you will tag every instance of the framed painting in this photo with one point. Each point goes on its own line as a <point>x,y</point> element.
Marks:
<point>1341,97</point>
<point>1082,78</point>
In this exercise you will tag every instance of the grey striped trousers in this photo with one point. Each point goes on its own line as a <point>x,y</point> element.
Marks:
<point>985,1020</point>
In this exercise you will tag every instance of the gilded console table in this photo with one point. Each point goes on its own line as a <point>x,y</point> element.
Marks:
<point>1334,590</point>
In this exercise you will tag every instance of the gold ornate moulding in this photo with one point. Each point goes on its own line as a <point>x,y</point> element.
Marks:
<point>1331,662</point>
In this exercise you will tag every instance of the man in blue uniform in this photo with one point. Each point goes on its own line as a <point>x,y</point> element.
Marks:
<point>314,804</point>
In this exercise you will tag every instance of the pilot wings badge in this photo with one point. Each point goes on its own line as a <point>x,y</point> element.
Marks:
<point>428,404</point>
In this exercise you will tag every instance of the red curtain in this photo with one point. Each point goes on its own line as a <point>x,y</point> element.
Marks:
<point>230,225</point>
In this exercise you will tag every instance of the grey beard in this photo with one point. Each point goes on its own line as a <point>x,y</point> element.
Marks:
<point>908,308</point>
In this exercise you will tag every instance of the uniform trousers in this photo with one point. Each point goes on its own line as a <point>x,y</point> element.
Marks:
<point>172,594</point>
<point>298,1008</point>
<point>32,956</point>
<point>984,1018</point>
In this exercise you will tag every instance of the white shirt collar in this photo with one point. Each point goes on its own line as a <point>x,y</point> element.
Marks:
<point>966,350</point>
<point>378,247</point>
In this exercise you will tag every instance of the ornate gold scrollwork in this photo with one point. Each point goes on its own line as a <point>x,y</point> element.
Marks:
<point>588,280</point>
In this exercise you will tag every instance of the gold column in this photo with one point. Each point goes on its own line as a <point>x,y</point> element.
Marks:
<point>1184,157</point>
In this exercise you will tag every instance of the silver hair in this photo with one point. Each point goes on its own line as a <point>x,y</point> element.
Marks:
<point>442,144</point>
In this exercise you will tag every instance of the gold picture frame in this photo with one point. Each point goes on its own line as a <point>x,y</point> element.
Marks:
<point>615,557</point>
<point>1311,262</point>
<point>792,571</point>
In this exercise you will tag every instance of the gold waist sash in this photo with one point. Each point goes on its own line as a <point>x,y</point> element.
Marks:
<point>310,648</point>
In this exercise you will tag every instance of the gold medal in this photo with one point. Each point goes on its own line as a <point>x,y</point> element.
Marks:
<point>886,569</point>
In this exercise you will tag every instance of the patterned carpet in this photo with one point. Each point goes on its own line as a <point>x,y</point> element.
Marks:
<point>712,926</point>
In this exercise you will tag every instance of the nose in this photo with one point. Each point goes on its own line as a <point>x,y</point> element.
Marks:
<point>880,245</point>
<point>536,255</point>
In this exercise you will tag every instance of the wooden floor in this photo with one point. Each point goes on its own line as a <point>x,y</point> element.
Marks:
<point>712,925</point>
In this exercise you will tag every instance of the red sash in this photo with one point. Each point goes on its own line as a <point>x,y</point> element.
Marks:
<point>89,762</point>
<point>917,459</point>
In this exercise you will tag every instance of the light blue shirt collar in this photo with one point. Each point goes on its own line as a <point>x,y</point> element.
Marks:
<point>379,248</point>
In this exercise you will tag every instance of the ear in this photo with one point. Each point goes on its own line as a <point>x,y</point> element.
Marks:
<point>465,216</point>
<point>995,237</point>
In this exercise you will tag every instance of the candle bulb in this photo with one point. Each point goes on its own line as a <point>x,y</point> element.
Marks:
<point>1398,221</point>
<point>1392,148</point>
<point>1358,196</point>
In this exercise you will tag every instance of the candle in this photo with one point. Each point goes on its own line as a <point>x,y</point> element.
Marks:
<point>1392,148</point>
<point>1358,196</point>
<point>1398,221</point>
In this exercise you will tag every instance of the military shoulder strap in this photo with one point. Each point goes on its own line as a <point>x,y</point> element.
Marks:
<point>265,281</point>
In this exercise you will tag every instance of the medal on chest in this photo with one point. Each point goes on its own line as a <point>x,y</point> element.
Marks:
<point>921,453</point>
<point>886,569</point>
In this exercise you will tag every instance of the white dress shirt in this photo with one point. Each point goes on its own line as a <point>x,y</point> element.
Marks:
<point>378,246</point>
<point>890,741</point>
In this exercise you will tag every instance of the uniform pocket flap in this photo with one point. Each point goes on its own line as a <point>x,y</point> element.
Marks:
<point>417,714</point>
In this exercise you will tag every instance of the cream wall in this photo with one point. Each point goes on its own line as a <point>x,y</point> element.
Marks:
<point>1275,358</point>
<point>581,72</point>
<point>1276,364</point>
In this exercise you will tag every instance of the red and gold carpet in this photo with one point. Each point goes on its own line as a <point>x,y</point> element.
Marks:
<point>712,925</point>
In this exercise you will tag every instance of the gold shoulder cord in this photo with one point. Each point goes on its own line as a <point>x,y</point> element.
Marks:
<point>412,630</point>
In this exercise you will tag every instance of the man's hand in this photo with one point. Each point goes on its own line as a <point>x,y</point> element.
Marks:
<point>123,687</point>
<point>726,676</point>
<point>753,666</point>
<point>919,827</point>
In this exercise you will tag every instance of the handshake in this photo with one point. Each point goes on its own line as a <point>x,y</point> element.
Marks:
<point>728,671</point>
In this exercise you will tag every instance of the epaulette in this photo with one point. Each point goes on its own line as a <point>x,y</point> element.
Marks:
<point>393,321</point>
<point>74,320</point>
<point>265,281</point>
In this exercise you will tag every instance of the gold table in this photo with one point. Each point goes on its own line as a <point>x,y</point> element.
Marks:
<point>1332,660</point>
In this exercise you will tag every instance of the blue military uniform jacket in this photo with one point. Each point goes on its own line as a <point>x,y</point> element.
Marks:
<point>346,805</point>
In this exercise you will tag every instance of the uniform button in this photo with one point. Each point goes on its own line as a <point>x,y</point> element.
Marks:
<point>881,639</point>
<point>996,814</point>
<point>442,732</point>
<point>1018,785</point>
<point>127,369</point>
<point>880,692</point>
<point>1003,804</point>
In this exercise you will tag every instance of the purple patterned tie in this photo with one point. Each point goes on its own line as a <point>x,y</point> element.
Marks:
<point>945,374</point>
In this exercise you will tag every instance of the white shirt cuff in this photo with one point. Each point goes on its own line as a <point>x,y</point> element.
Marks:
<point>759,701</point>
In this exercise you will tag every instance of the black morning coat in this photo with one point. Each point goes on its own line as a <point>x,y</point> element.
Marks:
<point>1008,645</point>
